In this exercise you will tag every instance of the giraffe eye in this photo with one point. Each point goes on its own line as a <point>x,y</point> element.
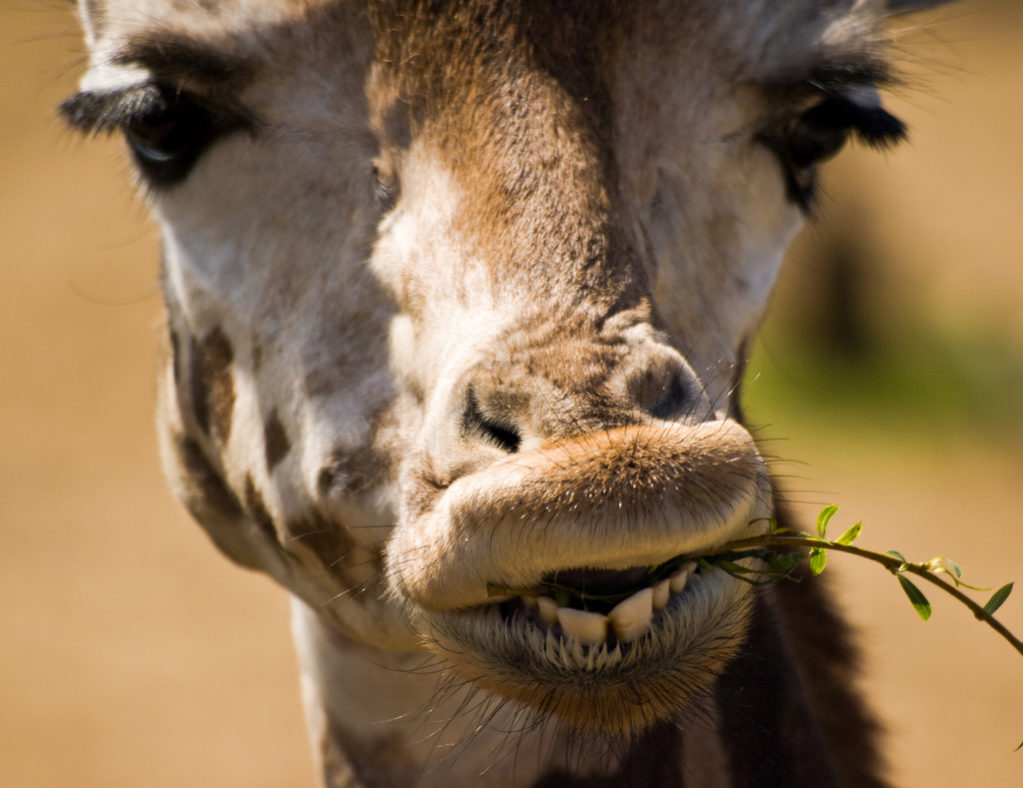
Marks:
<point>167,130</point>
<point>167,134</point>
<point>820,132</point>
<point>815,136</point>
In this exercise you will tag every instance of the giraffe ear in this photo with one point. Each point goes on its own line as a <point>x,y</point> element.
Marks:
<point>904,6</point>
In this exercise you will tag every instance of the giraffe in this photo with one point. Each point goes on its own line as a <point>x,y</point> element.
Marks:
<point>458,296</point>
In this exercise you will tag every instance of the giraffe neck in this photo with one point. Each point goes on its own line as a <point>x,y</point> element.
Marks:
<point>783,708</point>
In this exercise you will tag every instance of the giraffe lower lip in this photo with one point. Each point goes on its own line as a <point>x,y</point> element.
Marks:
<point>507,647</point>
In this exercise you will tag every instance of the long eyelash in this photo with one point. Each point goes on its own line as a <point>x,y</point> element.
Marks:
<point>98,113</point>
<point>869,123</point>
<point>872,125</point>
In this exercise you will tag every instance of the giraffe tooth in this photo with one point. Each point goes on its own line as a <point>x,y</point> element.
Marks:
<point>548,609</point>
<point>677,581</point>
<point>631,618</point>
<point>529,602</point>
<point>589,628</point>
<point>662,593</point>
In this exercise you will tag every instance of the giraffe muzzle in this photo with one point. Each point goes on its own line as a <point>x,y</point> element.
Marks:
<point>610,501</point>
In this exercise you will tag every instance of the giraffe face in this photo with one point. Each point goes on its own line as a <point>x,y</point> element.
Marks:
<point>457,298</point>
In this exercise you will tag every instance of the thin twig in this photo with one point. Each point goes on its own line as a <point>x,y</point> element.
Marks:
<point>894,565</point>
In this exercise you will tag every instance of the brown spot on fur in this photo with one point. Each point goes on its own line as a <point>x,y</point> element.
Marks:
<point>275,440</point>
<point>257,509</point>
<point>175,349</point>
<point>352,472</point>
<point>212,384</point>
<point>533,72</point>
<point>321,541</point>
<point>207,488</point>
<point>218,509</point>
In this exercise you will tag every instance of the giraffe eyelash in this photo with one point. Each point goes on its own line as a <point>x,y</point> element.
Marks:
<point>167,130</point>
<point>802,141</point>
<point>869,123</point>
<point>96,113</point>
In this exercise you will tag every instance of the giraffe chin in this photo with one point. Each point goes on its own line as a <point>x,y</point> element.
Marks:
<point>609,686</point>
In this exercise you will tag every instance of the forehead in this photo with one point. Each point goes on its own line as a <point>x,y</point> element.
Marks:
<point>767,40</point>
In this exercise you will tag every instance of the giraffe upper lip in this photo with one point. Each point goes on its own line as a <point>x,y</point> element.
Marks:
<point>580,504</point>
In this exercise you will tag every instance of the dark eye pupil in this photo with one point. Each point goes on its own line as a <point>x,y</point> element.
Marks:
<point>153,132</point>
<point>168,131</point>
<point>814,139</point>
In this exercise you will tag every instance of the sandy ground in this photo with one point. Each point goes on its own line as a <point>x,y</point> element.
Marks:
<point>132,654</point>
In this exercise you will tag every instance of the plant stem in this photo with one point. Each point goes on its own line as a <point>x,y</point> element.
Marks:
<point>892,564</point>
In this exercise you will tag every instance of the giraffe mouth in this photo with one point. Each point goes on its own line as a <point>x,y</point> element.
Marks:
<point>613,669</point>
<point>558,577</point>
<point>603,607</point>
<point>596,606</point>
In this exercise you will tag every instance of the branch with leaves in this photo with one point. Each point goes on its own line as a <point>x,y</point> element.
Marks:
<point>781,549</point>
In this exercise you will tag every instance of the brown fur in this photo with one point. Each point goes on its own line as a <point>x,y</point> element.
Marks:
<point>460,292</point>
<point>212,384</point>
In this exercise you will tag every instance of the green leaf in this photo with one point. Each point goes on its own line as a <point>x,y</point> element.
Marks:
<point>818,558</point>
<point>916,597</point>
<point>850,535</point>
<point>900,556</point>
<point>997,598</point>
<point>824,518</point>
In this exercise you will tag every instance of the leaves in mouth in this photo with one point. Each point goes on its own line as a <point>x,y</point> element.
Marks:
<point>773,555</point>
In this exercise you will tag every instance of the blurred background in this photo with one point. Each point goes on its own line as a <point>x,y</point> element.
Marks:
<point>889,380</point>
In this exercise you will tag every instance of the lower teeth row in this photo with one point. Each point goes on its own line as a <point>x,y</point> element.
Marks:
<point>628,620</point>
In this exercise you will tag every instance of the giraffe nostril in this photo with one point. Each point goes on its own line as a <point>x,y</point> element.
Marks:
<point>663,393</point>
<point>476,422</point>
<point>676,399</point>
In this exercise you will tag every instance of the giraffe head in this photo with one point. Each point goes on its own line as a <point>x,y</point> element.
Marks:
<point>458,295</point>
